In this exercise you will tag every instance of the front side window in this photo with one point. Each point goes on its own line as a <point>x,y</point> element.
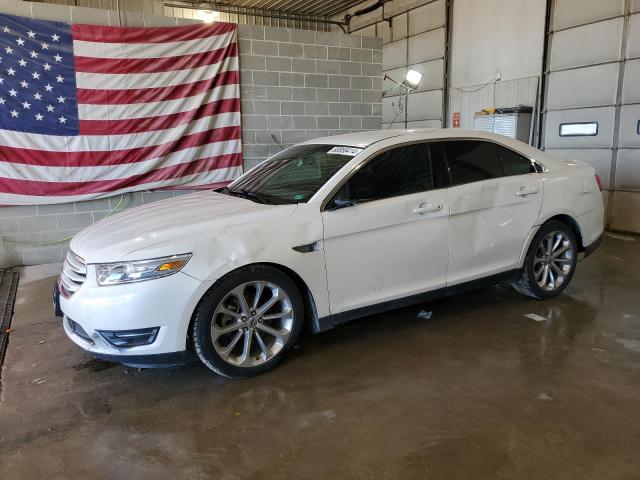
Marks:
<point>399,171</point>
<point>396,172</point>
<point>293,175</point>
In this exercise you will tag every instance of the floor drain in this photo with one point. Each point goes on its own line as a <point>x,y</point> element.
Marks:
<point>8,287</point>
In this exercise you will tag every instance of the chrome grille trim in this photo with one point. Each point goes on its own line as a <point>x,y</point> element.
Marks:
<point>76,263</point>
<point>74,274</point>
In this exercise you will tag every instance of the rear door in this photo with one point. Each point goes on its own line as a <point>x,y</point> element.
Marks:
<point>495,201</point>
<point>393,241</point>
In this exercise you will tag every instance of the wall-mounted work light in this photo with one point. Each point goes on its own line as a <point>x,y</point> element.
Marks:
<point>408,85</point>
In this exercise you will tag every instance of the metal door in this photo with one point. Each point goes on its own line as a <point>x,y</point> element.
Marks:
<point>592,97</point>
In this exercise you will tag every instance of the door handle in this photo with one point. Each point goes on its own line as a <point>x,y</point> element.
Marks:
<point>526,191</point>
<point>427,208</point>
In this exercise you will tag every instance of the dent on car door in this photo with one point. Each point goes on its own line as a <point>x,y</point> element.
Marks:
<point>495,202</point>
<point>386,232</point>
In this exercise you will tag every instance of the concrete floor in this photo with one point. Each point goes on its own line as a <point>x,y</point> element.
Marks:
<point>479,391</point>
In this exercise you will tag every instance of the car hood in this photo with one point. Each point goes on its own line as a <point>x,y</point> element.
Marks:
<point>115,238</point>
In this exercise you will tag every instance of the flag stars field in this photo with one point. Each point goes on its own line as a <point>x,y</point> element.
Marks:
<point>33,63</point>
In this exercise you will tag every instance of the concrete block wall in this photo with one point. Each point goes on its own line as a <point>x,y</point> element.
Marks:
<point>300,84</point>
<point>296,85</point>
<point>36,234</point>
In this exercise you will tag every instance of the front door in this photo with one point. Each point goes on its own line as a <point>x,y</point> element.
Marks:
<point>386,230</point>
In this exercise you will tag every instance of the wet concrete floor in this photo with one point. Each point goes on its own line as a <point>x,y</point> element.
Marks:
<point>479,391</point>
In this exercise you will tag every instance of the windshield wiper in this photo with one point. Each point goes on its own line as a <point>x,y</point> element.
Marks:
<point>256,197</point>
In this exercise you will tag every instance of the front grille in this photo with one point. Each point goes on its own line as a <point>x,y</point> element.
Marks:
<point>79,331</point>
<point>74,274</point>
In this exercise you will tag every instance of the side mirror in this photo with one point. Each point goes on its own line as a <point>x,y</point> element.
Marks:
<point>338,203</point>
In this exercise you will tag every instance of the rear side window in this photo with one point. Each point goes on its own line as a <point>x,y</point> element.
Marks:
<point>400,171</point>
<point>471,160</point>
<point>514,163</point>
<point>474,161</point>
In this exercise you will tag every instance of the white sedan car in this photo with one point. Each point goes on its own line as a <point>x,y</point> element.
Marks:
<point>324,232</point>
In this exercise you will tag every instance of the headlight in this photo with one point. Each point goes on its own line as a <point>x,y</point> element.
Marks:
<point>140,270</point>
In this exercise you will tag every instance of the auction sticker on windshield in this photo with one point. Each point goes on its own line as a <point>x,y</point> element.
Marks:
<point>349,151</point>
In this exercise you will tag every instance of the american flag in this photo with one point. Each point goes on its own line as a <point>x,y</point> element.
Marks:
<point>89,111</point>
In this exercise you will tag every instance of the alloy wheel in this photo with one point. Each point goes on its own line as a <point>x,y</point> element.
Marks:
<point>553,261</point>
<point>252,324</point>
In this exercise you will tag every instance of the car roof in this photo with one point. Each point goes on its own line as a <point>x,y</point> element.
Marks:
<point>358,139</point>
<point>364,139</point>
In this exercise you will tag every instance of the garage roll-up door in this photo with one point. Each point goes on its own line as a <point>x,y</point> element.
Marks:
<point>415,40</point>
<point>592,97</point>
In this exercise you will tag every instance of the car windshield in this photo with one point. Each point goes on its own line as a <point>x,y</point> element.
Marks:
<point>293,175</point>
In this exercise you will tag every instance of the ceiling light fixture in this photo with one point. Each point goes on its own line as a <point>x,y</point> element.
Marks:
<point>208,16</point>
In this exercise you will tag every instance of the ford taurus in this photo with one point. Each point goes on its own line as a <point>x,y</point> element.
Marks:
<point>321,233</point>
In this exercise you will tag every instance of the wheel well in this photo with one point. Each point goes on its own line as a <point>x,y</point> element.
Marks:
<point>310,310</point>
<point>570,221</point>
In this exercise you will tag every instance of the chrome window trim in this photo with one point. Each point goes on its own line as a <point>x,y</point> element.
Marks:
<point>357,167</point>
<point>539,167</point>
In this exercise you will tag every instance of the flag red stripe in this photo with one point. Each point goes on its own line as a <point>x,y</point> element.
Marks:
<point>154,65</point>
<point>208,186</point>
<point>161,122</point>
<point>118,157</point>
<point>106,34</point>
<point>32,187</point>
<point>158,94</point>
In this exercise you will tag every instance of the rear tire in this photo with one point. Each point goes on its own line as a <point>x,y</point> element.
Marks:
<point>550,262</point>
<point>247,321</point>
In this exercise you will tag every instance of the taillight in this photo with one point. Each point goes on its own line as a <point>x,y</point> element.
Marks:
<point>599,182</point>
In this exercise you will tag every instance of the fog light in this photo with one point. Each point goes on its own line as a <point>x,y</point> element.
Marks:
<point>130,338</point>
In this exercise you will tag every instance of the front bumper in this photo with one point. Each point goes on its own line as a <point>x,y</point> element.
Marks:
<point>167,303</point>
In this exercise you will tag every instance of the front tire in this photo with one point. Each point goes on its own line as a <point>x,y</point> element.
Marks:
<point>247,321</point>
<point>550,262</point>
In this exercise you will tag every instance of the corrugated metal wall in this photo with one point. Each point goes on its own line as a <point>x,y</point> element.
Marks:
<point>507,93</point>
<point>594,78</point>
<point>249,19</point>
<point>156,7</point>
<point>153,7</point>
